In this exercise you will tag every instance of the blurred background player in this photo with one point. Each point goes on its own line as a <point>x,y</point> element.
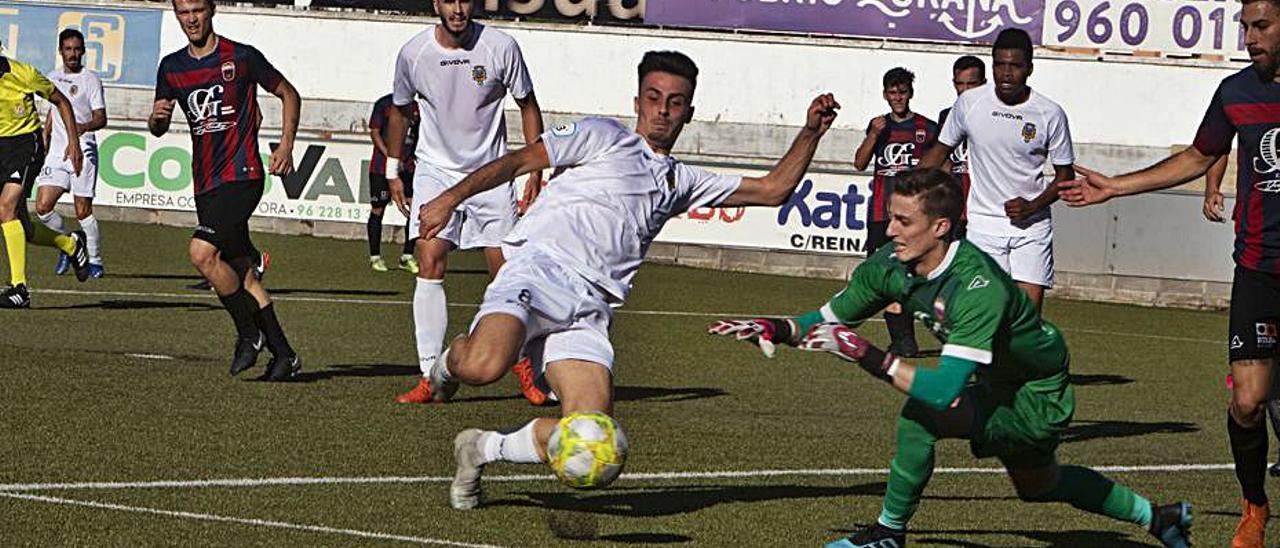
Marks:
<point>21,152</point>
<point>459,72</point>
<point>1022,399</point>
<point>574,255</point>
<point>967,73</point>
<point>216,81</point>
<point>1011,132</point>
<point>379,192</point>
<point>1245,109</point>
<point>895,142</point>
<point>83,88</point>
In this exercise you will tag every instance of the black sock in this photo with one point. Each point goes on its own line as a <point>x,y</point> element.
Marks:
<point>899,326</point>
<point>242,307</point>
<point>270,327</point>
<point>374,227</point>
<point>1249,447</point>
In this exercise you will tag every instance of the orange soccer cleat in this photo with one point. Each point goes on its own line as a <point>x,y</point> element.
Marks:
<point>1252,529</point>
<point>524,371</point>
<point>421,393</point>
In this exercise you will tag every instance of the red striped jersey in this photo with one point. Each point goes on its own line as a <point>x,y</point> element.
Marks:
<point>218,93</point>
<point>1247,109</point>
<point>899,147</point>
<point>378,122</point>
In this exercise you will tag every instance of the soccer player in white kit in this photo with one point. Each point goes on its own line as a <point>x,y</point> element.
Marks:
<point>572,258</point>
<point>459,72</point>
<point>83,88</point>
<point>1012,131</point>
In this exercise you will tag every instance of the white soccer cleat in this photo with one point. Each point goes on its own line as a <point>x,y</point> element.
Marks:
<point>442,390</point>
<point>464,493</point>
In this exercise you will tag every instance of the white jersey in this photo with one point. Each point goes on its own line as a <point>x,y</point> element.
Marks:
<point>460,94</point>
<point>1008,147</point>
<point>84,90</point>
<point>600,214</point>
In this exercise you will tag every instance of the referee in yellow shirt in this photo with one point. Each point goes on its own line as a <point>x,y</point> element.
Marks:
<point>21,155</point>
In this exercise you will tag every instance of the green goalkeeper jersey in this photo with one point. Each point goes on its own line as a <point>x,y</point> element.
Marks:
<point>968,303</point>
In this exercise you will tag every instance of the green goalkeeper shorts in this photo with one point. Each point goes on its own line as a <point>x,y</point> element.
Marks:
<point>1021,425</point>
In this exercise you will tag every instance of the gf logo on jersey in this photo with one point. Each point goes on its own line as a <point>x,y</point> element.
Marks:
<point>897,155</point>
<point>204,106</point>
<point>479,74</point>
<point>104,35</point>
<point>1028,132</point>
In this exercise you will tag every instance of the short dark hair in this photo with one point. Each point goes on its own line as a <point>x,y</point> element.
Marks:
<point>970,62</point>
<point>207,3</point>
<point>898,76</point>
<point>68,34</point>
<point>940,196</point>
<point>1013,39</point>
<point>671,62</point>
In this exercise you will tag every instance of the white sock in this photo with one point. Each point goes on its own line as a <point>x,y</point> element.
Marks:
<point>518,446</point>
<point>430,320</point>
<point>53,221</point>
<point>90,227</point>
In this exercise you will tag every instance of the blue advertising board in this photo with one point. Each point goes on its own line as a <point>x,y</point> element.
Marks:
<point>122,46</point>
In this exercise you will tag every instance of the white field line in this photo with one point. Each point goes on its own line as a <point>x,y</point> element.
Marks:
<point>244,521</point>
<point>671,313</point>
<point>643,476</point>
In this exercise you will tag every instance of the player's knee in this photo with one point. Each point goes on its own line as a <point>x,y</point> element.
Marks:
<point>475,365</point>
<point>83,210</point>
<point>202,256</point>
<point>1246,408</point>
<point>44,207</point>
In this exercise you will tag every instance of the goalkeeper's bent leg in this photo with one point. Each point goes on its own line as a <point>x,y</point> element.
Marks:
<point>1092,492</point>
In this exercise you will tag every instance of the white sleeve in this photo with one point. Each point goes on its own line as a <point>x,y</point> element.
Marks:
<point>1061,152</point>
<point>517,74</point>
<point>703,188</point>
<point>403,90</point>
<point>582,141</point>
<point>97,101</point>
<point>954,130</point>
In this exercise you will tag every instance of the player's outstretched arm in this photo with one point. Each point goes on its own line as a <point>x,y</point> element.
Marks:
<point>1096,188</point>
<point>435,214</point>
<point>774,189</point>
<point>282,156</point>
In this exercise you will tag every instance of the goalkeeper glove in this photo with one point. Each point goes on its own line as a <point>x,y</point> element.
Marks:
<point>763,331</point>
<point>846,343</point>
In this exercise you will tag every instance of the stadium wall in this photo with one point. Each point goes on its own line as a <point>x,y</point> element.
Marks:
<point>1125,114</point>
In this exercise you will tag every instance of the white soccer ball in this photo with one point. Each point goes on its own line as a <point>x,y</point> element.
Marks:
<point>587,450</point>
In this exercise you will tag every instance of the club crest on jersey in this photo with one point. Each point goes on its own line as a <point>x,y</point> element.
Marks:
<point>1028,132</point>
<point>228,71</point>
<point>939,309</point>
<point>20,110</point>
<point>921,135</point>
<point>74,90</point>
<point>479,74</point>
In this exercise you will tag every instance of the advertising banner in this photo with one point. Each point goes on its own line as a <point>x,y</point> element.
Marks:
<point>608,11</point>
<point>122,46</point>
<point>1186,26</point>
<point>950,21</point>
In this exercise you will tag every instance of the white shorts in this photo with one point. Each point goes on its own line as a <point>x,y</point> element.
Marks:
<point>481,221</point>
<point>1027,258</point>
<point>565,317</point>
<point>58,172</point>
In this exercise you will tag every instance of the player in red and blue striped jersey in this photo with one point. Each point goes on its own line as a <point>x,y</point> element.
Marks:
<point>1245,109</point>
<point>895,142</point>
<point>379,189</point>
<point>216,81</point>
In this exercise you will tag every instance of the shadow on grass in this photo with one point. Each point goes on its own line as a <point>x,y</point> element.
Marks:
<point>647,502</point>
<point>358,370</point>
<point>1053,539</point>
<point>138,305</point>
<point>1100,380</point>
<point>338,292</point>
<point>1087,430</point>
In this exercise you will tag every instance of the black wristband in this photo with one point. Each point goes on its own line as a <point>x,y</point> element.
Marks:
<point>877,362</point>
<point>784,331</point>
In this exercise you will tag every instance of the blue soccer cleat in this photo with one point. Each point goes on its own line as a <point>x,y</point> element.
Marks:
<point>96,271</point>
<point>63,266</point>
<point>1171,524</point>
<point>876,536</point>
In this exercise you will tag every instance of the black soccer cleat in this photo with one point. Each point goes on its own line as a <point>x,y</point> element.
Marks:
<point>282,369</point>
<point>905,347</point>
<point>1171,524</point>
<point>876,536</point>
<point>15,297</point>
<point>80,255</point>
<point>1274,470</point>
<point>247,349</point>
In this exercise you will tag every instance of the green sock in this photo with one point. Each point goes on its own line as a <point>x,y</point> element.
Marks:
<point>911,469</point>
<point>1090,491</point>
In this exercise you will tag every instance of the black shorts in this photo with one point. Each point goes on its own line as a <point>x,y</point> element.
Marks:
<point>380,189</point>
<point>224,214</point>
<point>21,158</point>
<point>1255,313</point>
<point>877,235</point>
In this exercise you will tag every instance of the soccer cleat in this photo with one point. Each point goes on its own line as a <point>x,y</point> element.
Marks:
<point>420,393</point>
<point>247,349</point>
<point>905,348</point>
<point>63,265</point>
<point>15,297</point>
<point>1274,470</point>
<point>464,492</point>
<point>96,271</point>
<point>876,536</point>
<point>260,267</point>
<point>524,372</point>
<point>442,390</point>
<point>202,285</point>
<point>377,264</point>
<point>80,255</point>
<point>1171,524</point>
<point>282,369</point>
<point>409,264</point>
<point>1252,529</point>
